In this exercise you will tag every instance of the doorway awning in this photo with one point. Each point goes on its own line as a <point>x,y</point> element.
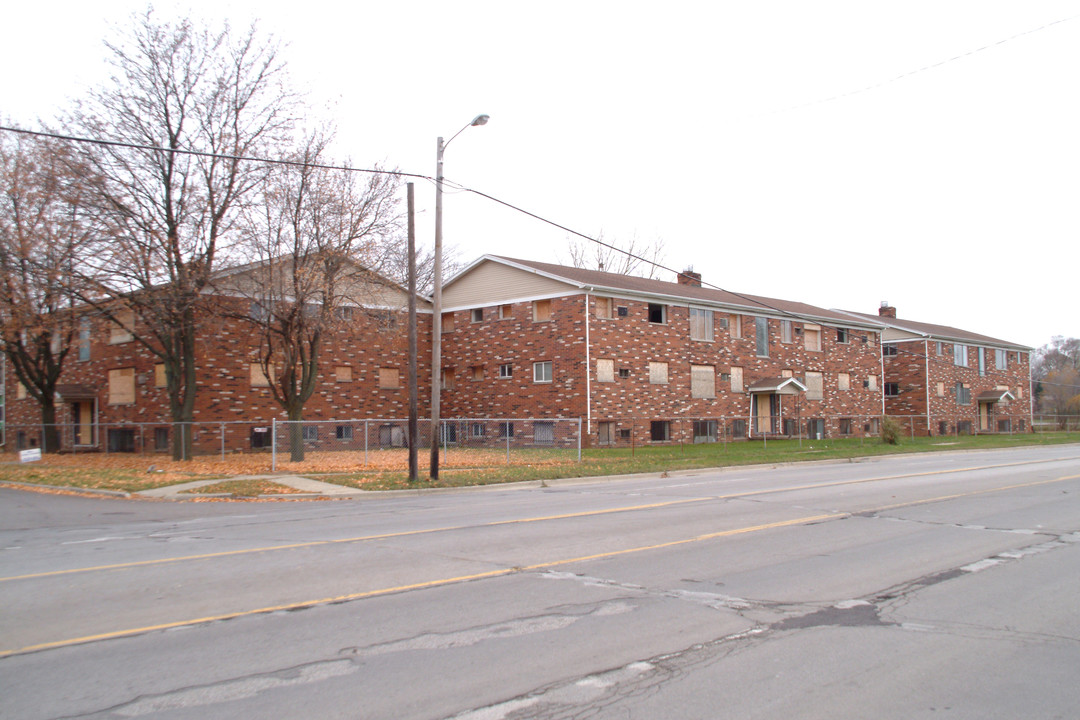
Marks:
<point>777,386</point>
<point>66,393</point>
<point>995,396</point>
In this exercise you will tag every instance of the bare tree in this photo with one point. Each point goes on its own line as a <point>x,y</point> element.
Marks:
<point>42,232</point>
<point>186,89</point>
<point>314,234</point>
<point>643,259</point>
<point>393,262</point>
<point>1056,371</point>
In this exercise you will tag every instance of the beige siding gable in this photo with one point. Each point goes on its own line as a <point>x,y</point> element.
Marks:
<point>492,283</point>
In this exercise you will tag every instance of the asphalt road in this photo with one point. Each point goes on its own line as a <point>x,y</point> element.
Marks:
<point>930,586</point>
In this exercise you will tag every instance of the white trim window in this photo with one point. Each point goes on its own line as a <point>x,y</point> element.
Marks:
<point>542,371</point>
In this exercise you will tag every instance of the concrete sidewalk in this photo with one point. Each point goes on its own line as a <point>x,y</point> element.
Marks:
<point>306,486</point>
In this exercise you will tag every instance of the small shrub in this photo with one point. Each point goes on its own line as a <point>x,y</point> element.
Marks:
<point>890,430</point>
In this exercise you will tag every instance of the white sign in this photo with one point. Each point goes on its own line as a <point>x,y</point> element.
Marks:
<point>31,455</point>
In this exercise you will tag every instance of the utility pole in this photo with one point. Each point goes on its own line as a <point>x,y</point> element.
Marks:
<point>413,404</point>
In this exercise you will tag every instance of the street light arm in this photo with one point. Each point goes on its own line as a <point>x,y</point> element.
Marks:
<point>478,120</point>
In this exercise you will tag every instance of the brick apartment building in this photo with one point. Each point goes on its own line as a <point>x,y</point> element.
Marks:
<point>634,360</point>
<point>650,361</point>
<point>941,380</point>
<point>111,378</point>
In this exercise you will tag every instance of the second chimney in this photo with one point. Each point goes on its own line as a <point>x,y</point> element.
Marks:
<point>689,277</point>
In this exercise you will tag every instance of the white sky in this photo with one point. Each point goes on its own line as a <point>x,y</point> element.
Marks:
<point>767,144</point>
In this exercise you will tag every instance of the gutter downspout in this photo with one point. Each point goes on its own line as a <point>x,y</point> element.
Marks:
<point>926,357</point>
<point>881,361</point>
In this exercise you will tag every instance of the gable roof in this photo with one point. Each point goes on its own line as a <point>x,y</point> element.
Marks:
<point>598,281</point>
<point>937,332</point>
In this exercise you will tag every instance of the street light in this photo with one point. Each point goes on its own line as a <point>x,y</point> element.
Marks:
<point>436,325</point>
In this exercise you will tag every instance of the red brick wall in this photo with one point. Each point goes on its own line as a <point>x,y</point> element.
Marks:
<point>224,391</point>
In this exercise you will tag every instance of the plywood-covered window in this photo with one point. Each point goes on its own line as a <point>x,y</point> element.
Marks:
<point>605,370</point>
<point>160,379</point>
<point>506,312</point>
<point>871,382</point>
<point>605,308</point>
<point>476,372</point>
<point>812,337</point>
<point>389,378</point>
<point>541,310</point>
<point>122,386</point>
<point>843,381</point>
<point>941,389</point>
<point>702,381</point>
<point>736,379</point>
<point>658,373</point>
<point>343,373</point>
<point>448,322</point>
<point>815,387</point>
<point>259,377</point>
<point>120,331</point>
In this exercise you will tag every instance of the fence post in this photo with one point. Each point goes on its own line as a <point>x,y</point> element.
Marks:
<point>105,439</point>
<point>579,439</point>
<point>223,441</point>
<point>273,444</point>
<point>142,440</point>
<point>506,432</point>
<point>365,441</point>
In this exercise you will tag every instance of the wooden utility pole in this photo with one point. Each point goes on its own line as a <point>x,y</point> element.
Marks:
<point>413,404</point>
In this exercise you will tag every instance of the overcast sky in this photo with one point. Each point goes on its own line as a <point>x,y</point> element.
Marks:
<point>837,153</point>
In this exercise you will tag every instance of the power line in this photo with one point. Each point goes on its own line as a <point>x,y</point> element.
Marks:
<point>926,68</point>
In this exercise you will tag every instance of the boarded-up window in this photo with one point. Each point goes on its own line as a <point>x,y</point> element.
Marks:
<point>448,322</point>
<point>736,380</point>
<point>343,373</point>
<point>785,331</point>
<point>160,380</point>
<point>448,375</point>
<point>389,377</point>
<point>259,378</point>
<point>815,388</point>
<point>658,373</point>
<point>812,337</point>
<point>476,372</point>
<point>701,324</point>
<point>507,311</point>
<point>736,326</point>
<point>120,331</point>
<point>941,389</point>
<point>604,308</point>
<point>871,382</point>
<point>605,370</point>
<point>541,310</point>
<point>787,373</point>
<point>702,381</point>
<point>843,381</point>
<point>20,392</point>
<point>122,386</point>
<point>1019,393</point>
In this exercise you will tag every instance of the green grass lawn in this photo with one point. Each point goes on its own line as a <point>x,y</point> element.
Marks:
<point>539,465</point>
<point>552,464</point>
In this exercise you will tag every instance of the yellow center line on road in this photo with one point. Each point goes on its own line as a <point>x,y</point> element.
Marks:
<point>509,571</point>
<point>513,521</point>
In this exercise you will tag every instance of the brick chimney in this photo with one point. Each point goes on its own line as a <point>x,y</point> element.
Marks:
<point>886,310</point>
<point>689,277</point>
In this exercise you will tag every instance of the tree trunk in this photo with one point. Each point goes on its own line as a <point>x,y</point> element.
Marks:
<point>50,433</point>
<point>296,433</point>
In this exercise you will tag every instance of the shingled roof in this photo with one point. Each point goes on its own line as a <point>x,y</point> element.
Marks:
<point>938,332</point>
<point>597,280</point>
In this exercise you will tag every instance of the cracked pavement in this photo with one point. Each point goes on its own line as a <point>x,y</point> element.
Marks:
<point>908,588</point>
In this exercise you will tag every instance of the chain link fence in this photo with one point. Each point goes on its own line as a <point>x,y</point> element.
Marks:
<point>380,441</point>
